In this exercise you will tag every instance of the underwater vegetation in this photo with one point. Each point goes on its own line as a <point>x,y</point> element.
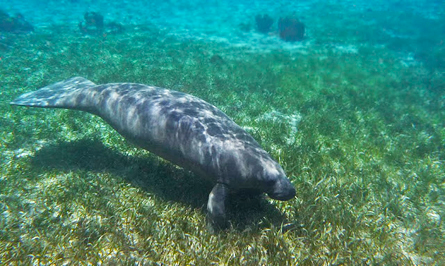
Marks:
<point>359,132</point>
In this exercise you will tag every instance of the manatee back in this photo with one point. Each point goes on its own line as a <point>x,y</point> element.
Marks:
<point>179,127</point>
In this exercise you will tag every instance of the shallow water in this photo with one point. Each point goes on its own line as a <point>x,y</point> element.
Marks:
<point>354,113</point>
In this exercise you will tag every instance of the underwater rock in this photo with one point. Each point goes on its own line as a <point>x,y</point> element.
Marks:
<point>290,29</point>
<point>263,23</point>
<point>94,23</point>
<point>16,24</point>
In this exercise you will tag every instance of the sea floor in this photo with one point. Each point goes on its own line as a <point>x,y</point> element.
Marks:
<point>354,114</point>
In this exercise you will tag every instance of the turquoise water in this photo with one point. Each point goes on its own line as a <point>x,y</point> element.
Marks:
<point>352,107</point>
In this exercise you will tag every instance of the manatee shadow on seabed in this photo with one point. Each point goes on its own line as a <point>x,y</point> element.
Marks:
<point>153,175</point>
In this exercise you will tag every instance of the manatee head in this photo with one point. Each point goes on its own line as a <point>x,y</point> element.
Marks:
<point>256,170</point>
<point>275,182</point>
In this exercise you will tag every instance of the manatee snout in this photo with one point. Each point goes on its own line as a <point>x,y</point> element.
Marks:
<point>282,189</point>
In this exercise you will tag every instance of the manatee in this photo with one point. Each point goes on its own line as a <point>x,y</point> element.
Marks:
<point>180,128</point>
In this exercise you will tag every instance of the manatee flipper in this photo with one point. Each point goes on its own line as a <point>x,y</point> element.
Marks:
<point>216,207</point>
<point>69,94</point>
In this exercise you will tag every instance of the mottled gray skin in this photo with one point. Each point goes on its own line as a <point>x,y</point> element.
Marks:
<point>178,127</point>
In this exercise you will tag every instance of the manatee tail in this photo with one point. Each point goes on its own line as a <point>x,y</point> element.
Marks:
<point>69,94</point>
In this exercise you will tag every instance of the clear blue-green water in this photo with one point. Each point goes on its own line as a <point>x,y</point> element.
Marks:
<point>353,109</point>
